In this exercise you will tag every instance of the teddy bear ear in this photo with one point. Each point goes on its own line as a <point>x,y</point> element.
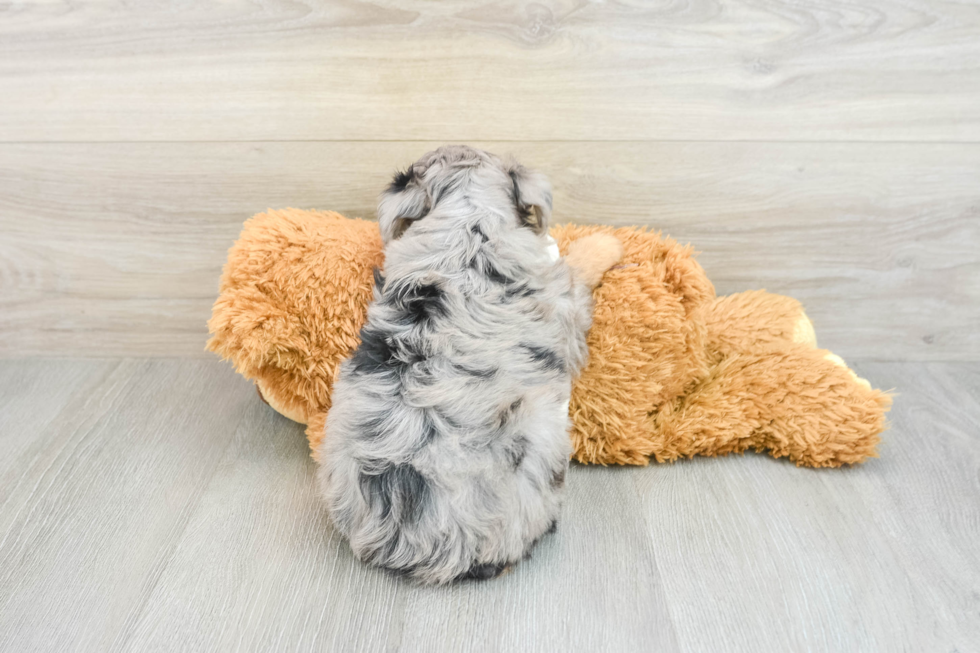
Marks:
<point>403,202</point>
<point>532,197</point>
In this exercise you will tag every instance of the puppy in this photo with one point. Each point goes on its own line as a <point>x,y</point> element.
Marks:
<point>447,443</point>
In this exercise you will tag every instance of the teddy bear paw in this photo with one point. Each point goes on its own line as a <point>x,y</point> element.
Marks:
<point>592,255</point>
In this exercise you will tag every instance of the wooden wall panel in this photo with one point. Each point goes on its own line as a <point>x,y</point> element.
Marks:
<point>116,249</point>
<point>893,70</point>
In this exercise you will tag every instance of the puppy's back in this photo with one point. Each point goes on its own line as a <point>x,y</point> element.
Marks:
<point>447,446</point>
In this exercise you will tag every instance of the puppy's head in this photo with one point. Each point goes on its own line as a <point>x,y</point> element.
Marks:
<point>456,176</point>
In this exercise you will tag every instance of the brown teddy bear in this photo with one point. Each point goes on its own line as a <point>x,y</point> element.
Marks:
<point>673,371</point>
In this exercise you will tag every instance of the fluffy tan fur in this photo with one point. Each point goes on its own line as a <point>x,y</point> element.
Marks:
<point>294,294</point>
<point>674,371</point>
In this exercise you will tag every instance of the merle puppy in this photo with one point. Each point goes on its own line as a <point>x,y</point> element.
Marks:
<point>447,443</point>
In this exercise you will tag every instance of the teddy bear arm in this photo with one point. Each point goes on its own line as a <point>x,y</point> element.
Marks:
<point>591,256</point>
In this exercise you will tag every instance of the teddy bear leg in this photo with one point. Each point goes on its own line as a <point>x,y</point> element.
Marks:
<point>711,419</point>
<point>794,402</point>
<point>756,318</point>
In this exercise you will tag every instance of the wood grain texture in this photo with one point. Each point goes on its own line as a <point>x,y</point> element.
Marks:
<point>880,557</point>
<point>116,249</point>
<point>158,505</point>
<point>92,503</point>
<point>32,395</point>
<point>492,70</point>
<point>281,579</point>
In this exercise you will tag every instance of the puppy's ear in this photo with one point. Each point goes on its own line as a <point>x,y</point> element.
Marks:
<point>532,198</point>
<point>402,203</point>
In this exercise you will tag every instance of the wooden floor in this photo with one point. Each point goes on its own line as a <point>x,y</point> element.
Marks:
<point>159,505</point>
<point>824,149</point>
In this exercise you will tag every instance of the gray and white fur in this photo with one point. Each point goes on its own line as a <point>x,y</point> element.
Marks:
<point>447,444</point>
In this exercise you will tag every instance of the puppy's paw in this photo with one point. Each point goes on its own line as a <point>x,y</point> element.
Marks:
<point>591,256</point>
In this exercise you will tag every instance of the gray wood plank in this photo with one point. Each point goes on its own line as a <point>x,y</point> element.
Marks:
<point>33,393</point>
<point>458,70</point>
<point>927,502</point>
<point>259,568</point>
<point>116,249</point>
<point>94,503</point>
<point>164,507</point>
<point>759,555</point>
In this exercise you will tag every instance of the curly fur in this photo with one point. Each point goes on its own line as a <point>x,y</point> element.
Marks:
<point>447,444</point>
